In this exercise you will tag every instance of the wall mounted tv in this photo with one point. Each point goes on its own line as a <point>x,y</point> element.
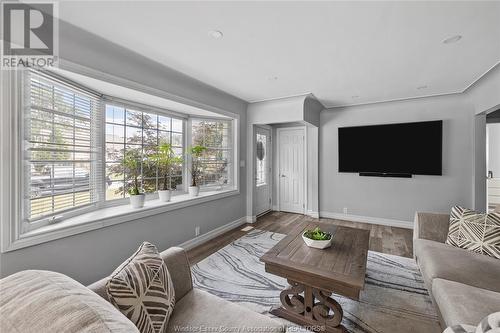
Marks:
<point>392,150</point>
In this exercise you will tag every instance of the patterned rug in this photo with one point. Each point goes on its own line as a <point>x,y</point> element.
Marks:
<point>394,299</point>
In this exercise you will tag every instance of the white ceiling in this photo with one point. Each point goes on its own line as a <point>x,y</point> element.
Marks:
<point>336,50</point>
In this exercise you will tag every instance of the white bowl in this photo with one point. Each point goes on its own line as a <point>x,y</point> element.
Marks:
<point>317,244</point>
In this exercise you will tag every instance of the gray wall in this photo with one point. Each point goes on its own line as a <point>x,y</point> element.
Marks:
<point>396,198</point>
<point>92,255</point>
<point>485,93</point>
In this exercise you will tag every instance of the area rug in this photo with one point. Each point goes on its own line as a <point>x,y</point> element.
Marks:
<point>394,299</point>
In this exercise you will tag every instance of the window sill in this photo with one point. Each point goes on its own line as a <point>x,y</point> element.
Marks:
<point>110,216</point>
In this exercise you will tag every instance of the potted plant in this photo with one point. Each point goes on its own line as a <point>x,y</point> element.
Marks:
<point>317,238</point>
<point>165,159</point>
<point>195,152</point>
<point>132,168</point>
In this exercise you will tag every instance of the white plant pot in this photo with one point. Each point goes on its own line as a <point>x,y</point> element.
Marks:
<point>194,191</point>
<point>317,244</point>
<point>165,195</point>
<point>137,201</point>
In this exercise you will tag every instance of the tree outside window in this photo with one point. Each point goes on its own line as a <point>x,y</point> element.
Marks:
<point>216,162</point>
<point>140,133</point>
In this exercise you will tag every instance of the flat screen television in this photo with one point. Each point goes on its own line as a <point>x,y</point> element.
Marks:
<point>403,149</point>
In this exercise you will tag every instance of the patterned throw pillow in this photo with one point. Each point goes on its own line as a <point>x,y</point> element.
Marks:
<point>141,288</point>
<point>474,231</point>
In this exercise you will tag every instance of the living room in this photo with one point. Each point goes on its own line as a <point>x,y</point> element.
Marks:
<point>318,166</point>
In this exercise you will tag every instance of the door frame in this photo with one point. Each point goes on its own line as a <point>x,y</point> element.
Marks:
<point>277,173</point>
<point>254,173</point>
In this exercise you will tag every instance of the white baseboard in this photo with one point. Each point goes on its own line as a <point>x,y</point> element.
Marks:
<point>368,219</point>
<point>275,207</point>
<point>251,219</point>
<point>313,214</point>
<point>212,234</point>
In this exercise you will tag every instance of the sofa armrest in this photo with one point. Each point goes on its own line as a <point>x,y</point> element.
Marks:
<point>431,226</point>
<point>178,267</point>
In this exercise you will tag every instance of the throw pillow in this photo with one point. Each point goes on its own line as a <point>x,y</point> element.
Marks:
<point>141,288</point>
<point>49,302</point>
<point>490,324</point>
<point>474,231</point>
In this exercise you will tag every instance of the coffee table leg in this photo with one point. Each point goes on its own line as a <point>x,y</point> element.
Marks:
<point>315,308</point>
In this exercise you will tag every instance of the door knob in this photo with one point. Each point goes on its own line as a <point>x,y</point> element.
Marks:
<point>283,176</point>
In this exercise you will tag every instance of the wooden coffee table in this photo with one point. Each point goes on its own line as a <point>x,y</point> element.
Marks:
<point>315,274</point>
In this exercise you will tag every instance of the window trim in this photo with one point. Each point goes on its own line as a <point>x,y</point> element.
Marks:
<point>105,217</point>
<point>12,235</point>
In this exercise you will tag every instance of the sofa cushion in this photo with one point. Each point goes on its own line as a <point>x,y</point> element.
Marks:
<point>41,301</point>
<point>200,310</point>
<point>438,260</point>
<point>475,231</point>
<point>141,288</point>
<point>463,304</point>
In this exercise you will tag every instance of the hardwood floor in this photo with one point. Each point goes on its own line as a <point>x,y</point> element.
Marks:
<point>385,239</point>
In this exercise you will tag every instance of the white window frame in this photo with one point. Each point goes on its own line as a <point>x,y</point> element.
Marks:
<point>13,234</point>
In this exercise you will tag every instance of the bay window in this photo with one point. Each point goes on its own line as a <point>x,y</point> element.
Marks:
<point>73,141</point>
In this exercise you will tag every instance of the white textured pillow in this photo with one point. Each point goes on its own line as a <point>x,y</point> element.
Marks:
<point>460,329</point>
<point>41,301</point>
<point>489,324</point>
<point>141,288</point>
<point>475,231</point>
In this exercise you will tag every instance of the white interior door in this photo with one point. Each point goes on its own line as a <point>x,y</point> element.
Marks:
<point>262,170</point>
<point>291,173</point>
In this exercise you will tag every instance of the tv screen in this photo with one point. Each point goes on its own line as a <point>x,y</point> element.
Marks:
<point>406,148</point>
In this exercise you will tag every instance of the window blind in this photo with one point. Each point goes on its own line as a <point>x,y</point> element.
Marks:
<point>62,129</point>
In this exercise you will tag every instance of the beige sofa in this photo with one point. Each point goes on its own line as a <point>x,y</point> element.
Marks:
<point>464,286</point>
<point>35,301</point>
<point>196,310</point>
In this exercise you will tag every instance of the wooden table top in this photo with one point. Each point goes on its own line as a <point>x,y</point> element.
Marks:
<point>340,268</point>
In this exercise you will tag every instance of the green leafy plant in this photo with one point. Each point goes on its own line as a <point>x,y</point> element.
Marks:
<point>165,159</point>
<point>317,234</point>
<point>196,152</point>
<point>132,167</point>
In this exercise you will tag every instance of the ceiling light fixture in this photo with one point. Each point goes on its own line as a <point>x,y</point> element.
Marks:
<point>421,87</point>
<point>215,34</point>
<point>453,39</point>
